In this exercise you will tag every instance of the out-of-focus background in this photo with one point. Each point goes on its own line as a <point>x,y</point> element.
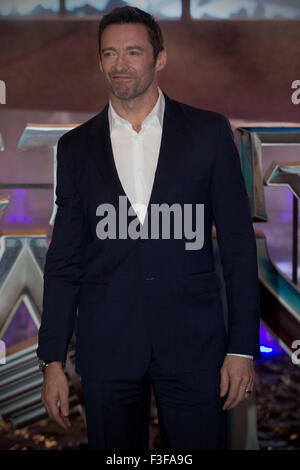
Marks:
<point>237,57</point>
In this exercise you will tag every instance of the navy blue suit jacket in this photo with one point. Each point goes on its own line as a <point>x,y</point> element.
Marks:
<point>125,296</point>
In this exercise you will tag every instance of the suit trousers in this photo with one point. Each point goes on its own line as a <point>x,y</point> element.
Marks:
<point>189,410</point>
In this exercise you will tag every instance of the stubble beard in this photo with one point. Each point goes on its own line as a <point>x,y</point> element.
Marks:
<point>124,91</point>
<point>128,91</point>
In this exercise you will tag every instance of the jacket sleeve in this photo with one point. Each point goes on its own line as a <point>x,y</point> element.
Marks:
<point>63,265</point>
<point>237,245</point>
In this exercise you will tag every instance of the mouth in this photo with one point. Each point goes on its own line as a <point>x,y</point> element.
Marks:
<point>121,78</point>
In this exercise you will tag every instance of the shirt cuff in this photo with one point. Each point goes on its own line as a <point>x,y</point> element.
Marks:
<point>241,355</point>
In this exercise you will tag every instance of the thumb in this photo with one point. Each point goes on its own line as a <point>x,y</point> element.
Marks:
<point>224,382</point>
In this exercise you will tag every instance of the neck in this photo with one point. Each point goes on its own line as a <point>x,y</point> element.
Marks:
<point>136,109</point>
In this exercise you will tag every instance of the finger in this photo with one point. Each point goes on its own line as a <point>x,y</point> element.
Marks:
<point>250,387</point>
<point>64,405</point>
<point>224,383</point>
<point>44,401</point>
<point>55,414</point>
<point>47,408</point>
<point>241,394</point>
<point>66,420</point>
<point>64,408</point>
<point>250,384</point>
<point>233,393</point>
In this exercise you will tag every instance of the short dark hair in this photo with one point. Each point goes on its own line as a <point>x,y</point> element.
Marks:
<point>133,15</point>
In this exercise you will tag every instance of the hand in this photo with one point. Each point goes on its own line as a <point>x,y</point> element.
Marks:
<point>237,376</point>
<point>55,387</point>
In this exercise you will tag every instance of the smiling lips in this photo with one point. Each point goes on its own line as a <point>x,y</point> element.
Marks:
<point>121,77</point>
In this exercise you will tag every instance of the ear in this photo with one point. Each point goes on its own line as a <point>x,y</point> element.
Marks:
<point>161,60</point>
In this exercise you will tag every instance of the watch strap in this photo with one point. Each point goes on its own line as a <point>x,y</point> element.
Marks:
<point>43,363</point>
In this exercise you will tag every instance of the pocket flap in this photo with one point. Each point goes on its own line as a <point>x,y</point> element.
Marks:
<point>203,282</point>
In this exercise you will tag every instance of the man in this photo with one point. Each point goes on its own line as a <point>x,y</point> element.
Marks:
<point>149,307</point>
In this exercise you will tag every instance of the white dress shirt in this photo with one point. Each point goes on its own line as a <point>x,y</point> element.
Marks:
<point>136,156</point>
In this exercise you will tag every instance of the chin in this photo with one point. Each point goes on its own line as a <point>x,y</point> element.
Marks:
<point>124,94</point>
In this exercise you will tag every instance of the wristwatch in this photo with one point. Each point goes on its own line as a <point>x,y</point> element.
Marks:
<point>43,363</point>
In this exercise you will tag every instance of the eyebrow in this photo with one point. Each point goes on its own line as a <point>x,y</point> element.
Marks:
<point>126,48</point>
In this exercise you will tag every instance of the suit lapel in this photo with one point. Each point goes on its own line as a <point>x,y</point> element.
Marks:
<point>102,154</point>
<point>172,149</point>
<point>170,157</point>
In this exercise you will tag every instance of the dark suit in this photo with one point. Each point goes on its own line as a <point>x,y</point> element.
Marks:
<point>137,297</point>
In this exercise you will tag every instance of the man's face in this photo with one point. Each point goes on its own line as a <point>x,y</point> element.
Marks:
<point>127,60</point>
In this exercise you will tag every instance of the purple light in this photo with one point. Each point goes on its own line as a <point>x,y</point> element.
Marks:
<point>18,205</point>
<point>268,344</point>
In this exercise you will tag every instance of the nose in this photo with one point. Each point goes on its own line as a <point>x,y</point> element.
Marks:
<point>120,63</point>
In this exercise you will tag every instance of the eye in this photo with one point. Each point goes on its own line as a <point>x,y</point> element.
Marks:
<point>134,52</point>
